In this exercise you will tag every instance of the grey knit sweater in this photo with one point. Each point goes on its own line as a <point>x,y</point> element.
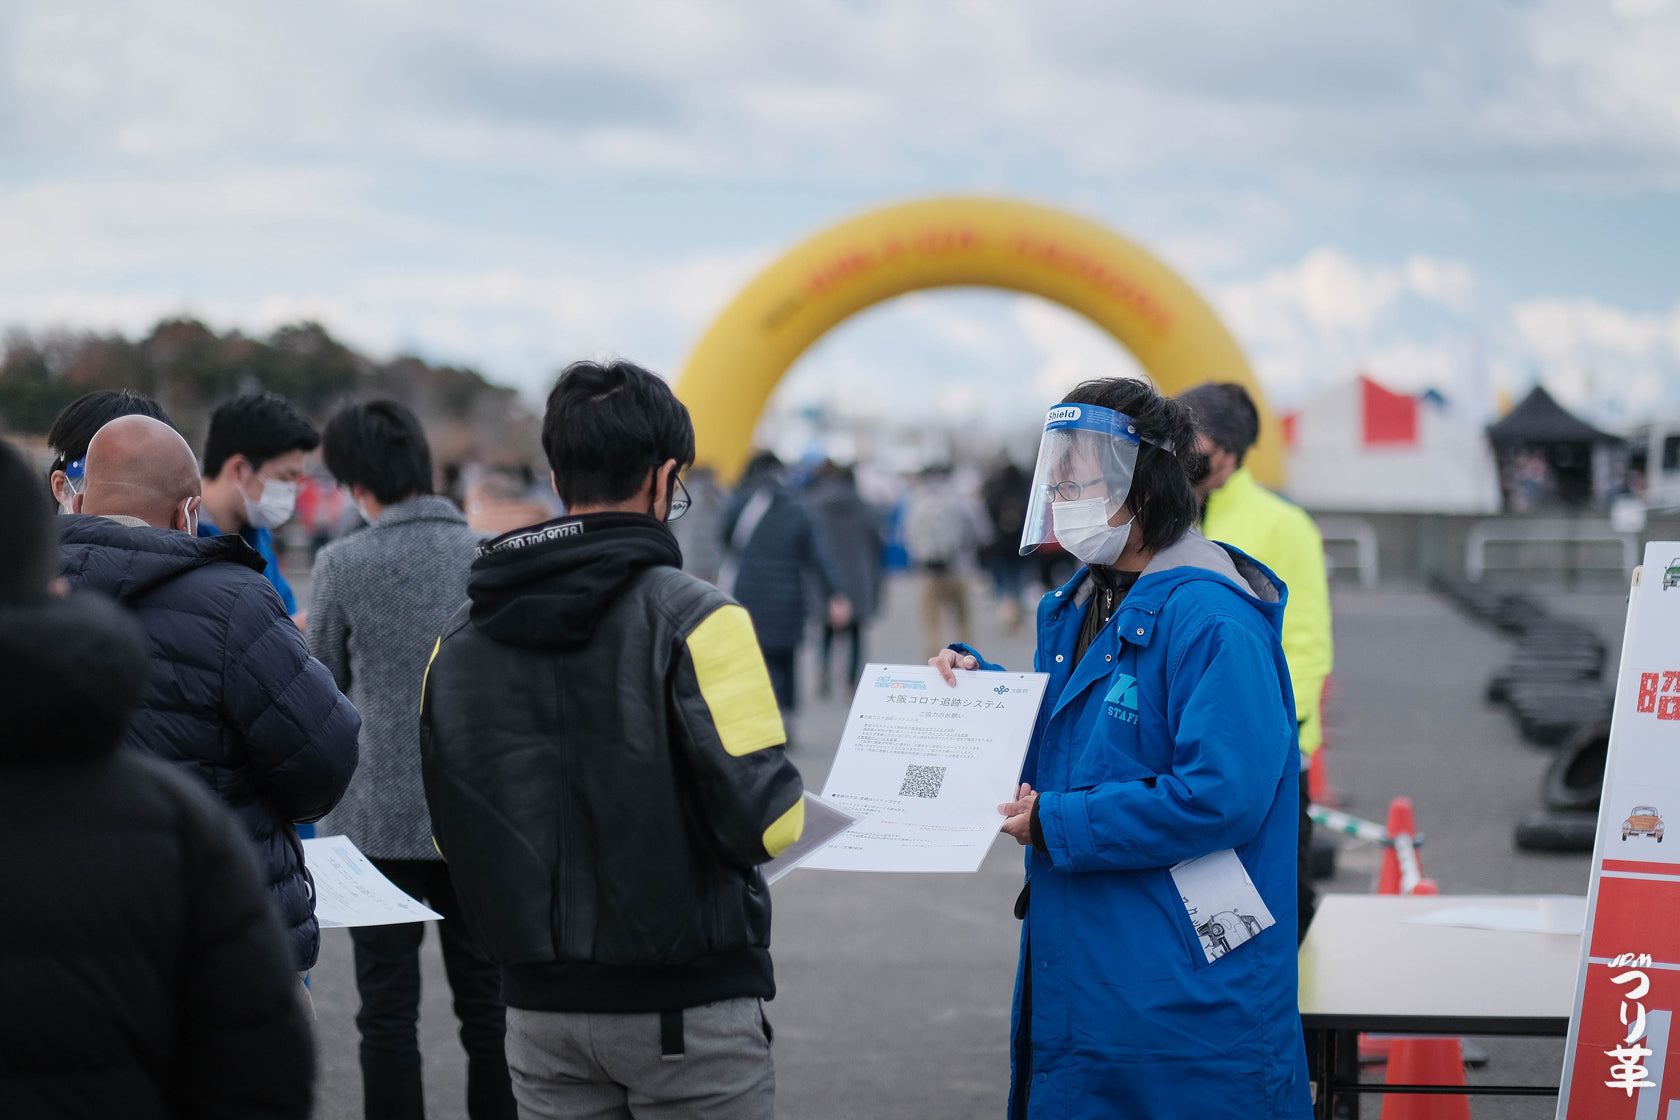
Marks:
<point>378,599</point>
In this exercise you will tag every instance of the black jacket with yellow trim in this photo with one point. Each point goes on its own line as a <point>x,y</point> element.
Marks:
<point>605,767</point>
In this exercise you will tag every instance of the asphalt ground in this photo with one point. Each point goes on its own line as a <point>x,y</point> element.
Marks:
<point>894,990</point>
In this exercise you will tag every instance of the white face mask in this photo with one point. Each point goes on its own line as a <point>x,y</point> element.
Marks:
<point>1082,528</point>
<point>274,508</point>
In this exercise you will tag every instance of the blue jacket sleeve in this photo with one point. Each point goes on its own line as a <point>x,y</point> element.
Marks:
<point>1231,738</point>
<point>298,730</point>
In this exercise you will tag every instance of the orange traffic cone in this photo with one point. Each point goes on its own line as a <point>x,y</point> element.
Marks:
<point>1319,789</point>
<point>1372,1048</point>
<point>1400,823</point>
<point>1425,1061</point>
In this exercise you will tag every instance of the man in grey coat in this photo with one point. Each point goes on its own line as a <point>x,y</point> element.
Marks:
<point>379,599</point>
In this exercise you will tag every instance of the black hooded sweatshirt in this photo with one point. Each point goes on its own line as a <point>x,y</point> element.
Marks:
<point>605,769</point>
<point>142,971</point>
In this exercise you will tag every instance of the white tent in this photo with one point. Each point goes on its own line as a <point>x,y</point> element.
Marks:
<point>1361,447</point>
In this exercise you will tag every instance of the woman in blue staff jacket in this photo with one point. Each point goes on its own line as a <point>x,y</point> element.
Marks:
<point>1167,734</point>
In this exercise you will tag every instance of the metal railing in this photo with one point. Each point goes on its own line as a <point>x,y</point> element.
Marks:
<point>1357,532</point>
<point>1575,536</point>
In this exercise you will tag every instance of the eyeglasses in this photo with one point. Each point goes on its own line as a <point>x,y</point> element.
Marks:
<point>680,501</point>
<point>1070,491</point>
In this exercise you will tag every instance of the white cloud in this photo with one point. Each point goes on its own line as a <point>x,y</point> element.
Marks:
<point>1412,366</point>
<point>99,228</point>
<point>1072,350</point>
<point>778,84</point>
<point>520,325</point>
<point>351,162</point>
<point>1568,330</point>
<point>1612,363</point>
<point>1452,284</point>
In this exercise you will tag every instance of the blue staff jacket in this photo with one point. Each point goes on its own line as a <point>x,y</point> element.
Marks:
<point>1173,737</point>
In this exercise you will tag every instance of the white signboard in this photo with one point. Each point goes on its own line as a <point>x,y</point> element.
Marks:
<point>350,891</point>
<point>923,767</point>
<point>1622,1062</point>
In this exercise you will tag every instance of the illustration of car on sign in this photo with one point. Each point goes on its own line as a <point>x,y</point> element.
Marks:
<point>1671,577</point>
<point>1643,821</point>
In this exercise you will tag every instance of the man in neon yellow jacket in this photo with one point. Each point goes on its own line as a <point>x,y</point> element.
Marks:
<point>1278,533</point>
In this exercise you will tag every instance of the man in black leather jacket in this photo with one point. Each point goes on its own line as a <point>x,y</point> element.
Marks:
<point>605,767</point>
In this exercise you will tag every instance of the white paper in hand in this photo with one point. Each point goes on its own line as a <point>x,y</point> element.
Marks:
<point>1221,901</point>
<point>923,767</point>
<point>350,891</point>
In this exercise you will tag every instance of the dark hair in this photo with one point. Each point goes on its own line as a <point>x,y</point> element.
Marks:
<point>606,425</point>
<point>259,426</point>
<point>1225,413</point>
<point>764,467</point>
<point>1163,495</point>
<point>73,429</point>
<point>29,560</point>
<point>381,446</point>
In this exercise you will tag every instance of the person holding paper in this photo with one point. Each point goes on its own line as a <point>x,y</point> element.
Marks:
<point>1158,798</point>
<point>378,599</point>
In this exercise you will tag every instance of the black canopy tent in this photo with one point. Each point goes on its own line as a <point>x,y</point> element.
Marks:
<point>1540,427</point>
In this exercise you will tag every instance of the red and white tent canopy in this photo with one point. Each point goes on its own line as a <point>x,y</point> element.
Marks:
<point>1360,446</point>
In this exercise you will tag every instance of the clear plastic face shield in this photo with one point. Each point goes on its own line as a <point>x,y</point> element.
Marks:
<point>1085,465</point>
<point>75,481</point>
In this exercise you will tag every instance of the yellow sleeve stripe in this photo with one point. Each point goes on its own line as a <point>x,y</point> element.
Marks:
<point>779,837</point>
<point>734,682</point>
<point>427,676</point>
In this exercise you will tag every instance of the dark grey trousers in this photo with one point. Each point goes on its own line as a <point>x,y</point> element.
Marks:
<point>599,1066</point>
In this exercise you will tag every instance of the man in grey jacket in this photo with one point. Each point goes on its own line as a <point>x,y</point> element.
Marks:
<point>379,599</point>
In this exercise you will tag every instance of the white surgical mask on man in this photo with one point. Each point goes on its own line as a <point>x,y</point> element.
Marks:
<point>1082,528</point>
<point>274,508</point>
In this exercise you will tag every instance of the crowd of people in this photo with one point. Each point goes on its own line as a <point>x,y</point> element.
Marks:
<point>566,727</point>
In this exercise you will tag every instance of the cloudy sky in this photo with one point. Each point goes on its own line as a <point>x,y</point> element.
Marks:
<point>1468,195</point>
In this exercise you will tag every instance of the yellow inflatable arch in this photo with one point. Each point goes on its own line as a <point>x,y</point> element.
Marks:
<point>947,242</point>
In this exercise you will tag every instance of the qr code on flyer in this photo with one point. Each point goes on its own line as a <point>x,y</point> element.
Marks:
<point>922,781</point>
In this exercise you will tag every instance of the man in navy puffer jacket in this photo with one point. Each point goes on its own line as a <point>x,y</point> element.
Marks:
<point>233,695</point>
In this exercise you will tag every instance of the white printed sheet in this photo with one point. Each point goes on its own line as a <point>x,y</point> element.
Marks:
<point>350,891</point>
<point>923,767</point>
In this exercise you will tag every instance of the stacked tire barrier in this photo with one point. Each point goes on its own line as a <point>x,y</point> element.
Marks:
<point>1555,690</point>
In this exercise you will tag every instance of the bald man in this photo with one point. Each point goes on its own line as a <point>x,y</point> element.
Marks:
<point>233,696</point>
<point>138,472</point>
